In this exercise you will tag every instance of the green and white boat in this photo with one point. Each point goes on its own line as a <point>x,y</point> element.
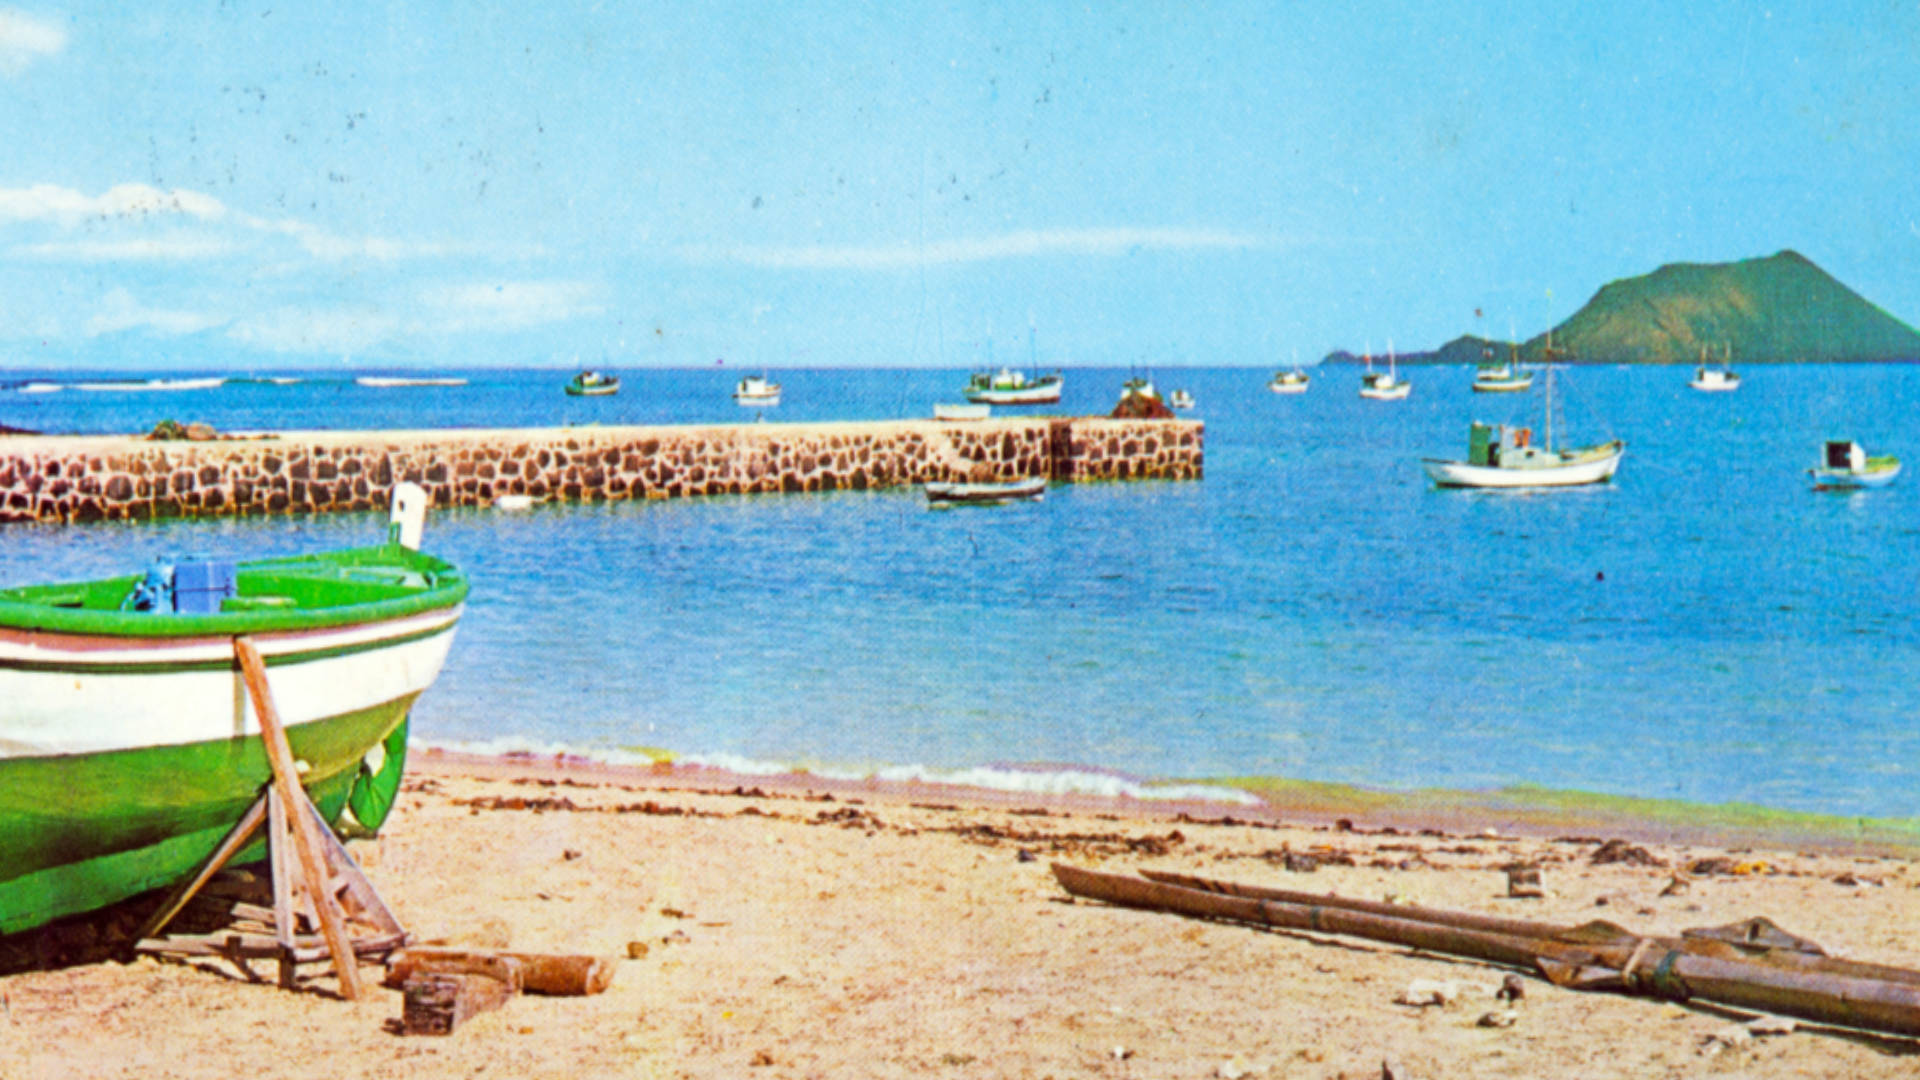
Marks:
<point>128,744</point>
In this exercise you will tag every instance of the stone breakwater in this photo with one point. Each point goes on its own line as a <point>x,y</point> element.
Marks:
<point>104,478</point>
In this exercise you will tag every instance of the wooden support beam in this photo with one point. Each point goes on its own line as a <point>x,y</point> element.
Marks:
<point>306,843</point>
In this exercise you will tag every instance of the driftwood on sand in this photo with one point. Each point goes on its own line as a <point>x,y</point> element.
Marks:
<point>1751,965</point>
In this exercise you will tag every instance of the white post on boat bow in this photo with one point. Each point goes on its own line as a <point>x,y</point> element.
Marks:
<point>408,516</point>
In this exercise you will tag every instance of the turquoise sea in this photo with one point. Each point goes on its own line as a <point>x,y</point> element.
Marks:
<point>1706,628</point>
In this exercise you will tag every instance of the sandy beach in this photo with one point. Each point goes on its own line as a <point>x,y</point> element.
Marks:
<point>790,927</point>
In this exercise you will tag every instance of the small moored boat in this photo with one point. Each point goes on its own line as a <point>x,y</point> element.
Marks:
<point>1501,377</point>
<point>940,493</point>
<point>757,390</point>
<point>1288,382</point>
<point>593,384</point>
<point>1180,399</point>
<point>1715,379</point>
<point>1010,387</point>
<point>1846,467</point>
<point>1383,385</point>
<point>129,746</point>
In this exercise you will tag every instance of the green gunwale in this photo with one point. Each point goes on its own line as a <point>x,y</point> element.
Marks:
<point>332,588</point>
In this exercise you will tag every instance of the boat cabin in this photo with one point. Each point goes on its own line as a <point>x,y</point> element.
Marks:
<point>1487,443</point>
<point>1845,454</point>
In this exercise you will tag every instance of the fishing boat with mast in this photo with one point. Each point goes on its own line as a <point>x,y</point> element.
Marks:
<point>757,390</point>
<point>1293,381</point>
<point>129,746</point>
<point>1008,386</point>
<point>1501,376</point>
<point>1507,456</point>
<point>1383,386</point>
<point>1719,379</point>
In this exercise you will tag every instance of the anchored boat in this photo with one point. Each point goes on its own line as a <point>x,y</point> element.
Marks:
<point>988,493</point>
<point>1288,382</point>
<point>1506,456</point>
<point>593,384</point>
<point>1501,377</point>
<point>128,744</point>
<point>757,390</point>
<point>1386,385</point>
<point>1846,467</point>
<point>1010,387</point>
<point>1715,379</point>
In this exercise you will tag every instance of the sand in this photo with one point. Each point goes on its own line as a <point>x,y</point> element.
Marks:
<point>794,928</point>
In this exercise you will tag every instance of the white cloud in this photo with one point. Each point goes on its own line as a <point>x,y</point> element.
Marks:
<point>512,305</point>
<point>65,206</point>
<point>25,38</point>
<point>134,249</point>
<point>1026,243</point>
<point>133,206</point>
<point>120,311</point>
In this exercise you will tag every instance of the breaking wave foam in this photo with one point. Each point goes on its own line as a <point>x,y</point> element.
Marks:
<point>1063,781</point>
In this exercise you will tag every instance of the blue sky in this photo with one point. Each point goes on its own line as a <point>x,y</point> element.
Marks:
<point>253,185</point>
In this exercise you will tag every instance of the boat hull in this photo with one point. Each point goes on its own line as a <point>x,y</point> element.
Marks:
<point>1845,480</point>
<point>592,391</point>
<point>1036,396</point>
<point>1502,386</point>
<point>1593,468</point>
<point>1287,388</point>
<point>1386,393</point>
<point>129,745</point>
<point>949,494</point>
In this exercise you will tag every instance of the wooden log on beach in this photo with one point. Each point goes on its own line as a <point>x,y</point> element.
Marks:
<point>438,1003</point>
<point>1751,965</point>
<point>561,975</point>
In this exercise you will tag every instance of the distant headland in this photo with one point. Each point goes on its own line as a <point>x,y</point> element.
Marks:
<point>1778,309</point>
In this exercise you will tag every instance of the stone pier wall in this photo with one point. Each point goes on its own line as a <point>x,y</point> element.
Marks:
<point>98,478</point>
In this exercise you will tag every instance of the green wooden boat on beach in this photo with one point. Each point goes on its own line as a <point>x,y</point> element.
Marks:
<point>128,744</point>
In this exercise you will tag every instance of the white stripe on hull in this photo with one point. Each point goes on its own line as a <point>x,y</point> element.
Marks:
<point>51,713</point>
<point>48,646</point>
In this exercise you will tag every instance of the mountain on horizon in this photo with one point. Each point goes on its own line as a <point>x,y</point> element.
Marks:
<point>1777,309</point>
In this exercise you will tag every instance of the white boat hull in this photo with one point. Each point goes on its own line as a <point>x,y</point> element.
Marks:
<point>1287,388</point>
<point>1045,395</point>
<point>1847,480</point>
<point>72,694</point>
<point>948,494</point>
<point>1591,468</point>
<point>1386,393</point>
<point>1502,386</point>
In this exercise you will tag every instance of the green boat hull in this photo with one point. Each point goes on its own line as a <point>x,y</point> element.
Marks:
<point>80,832</point>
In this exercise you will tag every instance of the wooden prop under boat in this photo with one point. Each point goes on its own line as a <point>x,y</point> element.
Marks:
<point>129,746</point>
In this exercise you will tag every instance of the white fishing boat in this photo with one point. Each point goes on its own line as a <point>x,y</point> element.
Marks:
<point>388,382</point>
<point>1383,385</point>
<point>1506,456</point>
<point>1289,382</point>
<point>1501,377</point>
<point>1010,387</point>
<point>942,493</point>
<point>1846,467</point>
<point>1180,399</point>
<point>757,390</point>
<point>1718,379</point>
